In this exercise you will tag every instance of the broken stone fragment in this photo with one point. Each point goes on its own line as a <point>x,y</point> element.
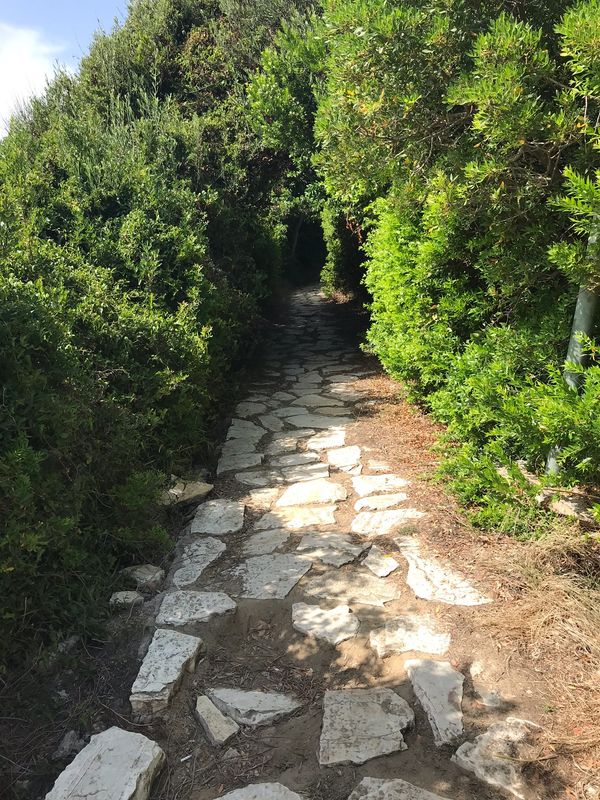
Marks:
<point>185,607</point>
<point>253,708</point>
<point>499,755</point>
<point>116,765</point>
<point>145,577</point>
<point>379,502</point>
<point>187,492</point>
<point>262,791</point>
<point>379,563</point>
<point>219,517</point>
<point>410,632</point>
<point>360,724</point>
<point>395,789</point>
<point>169,655</point>
<point>218,728</point>
<point>125,600</point>
<point>333,625</point>
<point>431,580</point>
<point>439,688</point>
<point>232,462</point>
<point>271,576</point>
<point>196,557</point>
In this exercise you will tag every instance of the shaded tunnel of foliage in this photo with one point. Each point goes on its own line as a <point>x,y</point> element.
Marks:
<point>448,150</point>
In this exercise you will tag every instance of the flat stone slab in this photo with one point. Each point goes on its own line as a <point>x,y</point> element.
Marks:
<point>253,708</point>
<point>260,478</point>
<point>287,442</point>
<point>375,484</point>
<point>145,577</point>
<point>125,600</point>
<point>316,401</point>
<point>296,517</point>
<point>217,727</point>
<point>272,576</point>
<point>271,423</point>
<point>115,765</point>
<point>345,390</point>
<point>248,408</point>
<point>360,724</point>
<point>349,588</point>
<point>330,548</point>
<point>244,429</point>
<point>318,421</point>
<point>305,472</point>
<point>294,459</point>
<point>169,655</point>
<point>431,580</point>
<point>383,523</point>
<point>263,498</point>
<point>439,688</point>
<point>236,447</point>
<point>184,607</point>
<point>419,633</point>
<point>379,563</point>
<point>344,458</point>
<point>327,440</point>
<point>334,625</point>
<point>396,789</point>
<point>379,502</point>
<point>229,463</point>
<point>319,492</point>
<point>264,542</point>
<point>195,558</point>
<point>290,411</point>
<point>495,756</point>
<point>263,791</point>
<point>219,517</point>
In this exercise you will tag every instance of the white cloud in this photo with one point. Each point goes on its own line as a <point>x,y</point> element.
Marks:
<point>27,60</point>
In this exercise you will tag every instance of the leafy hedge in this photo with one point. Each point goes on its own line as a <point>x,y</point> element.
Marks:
<point>137,243</point>
<point>460,141</point>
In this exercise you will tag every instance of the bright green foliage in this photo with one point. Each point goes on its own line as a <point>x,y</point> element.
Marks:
<point>137,242</point>
<point>453,136</point>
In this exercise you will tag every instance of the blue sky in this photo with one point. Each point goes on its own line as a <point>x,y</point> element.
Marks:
<point>35,34</point>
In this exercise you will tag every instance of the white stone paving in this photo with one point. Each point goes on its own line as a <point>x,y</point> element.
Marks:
<point>186,607</point>
<point>195,558</point>
<point>271,576</point>
<point>380,502</point>
<point>320,491</point>
<point>263,791</point>
<point>263,542</point>
<point>395,789</point>
<point>417,632</point>
<point>334,625</point>
<point>374,484</point>
<point>251,707</point>
<point>115,765</point>
<point>430,580</point>
<point>349,588</point>
<point>296,517</point>
<point>496,756</point>
<point>330,548</point>
<point>217,727</point>
<point>169,655</point>
<point>379,563</point>
<point>219,517</point>
<point>360,724</point>
<point>439,688</point>
<point>383,523</point>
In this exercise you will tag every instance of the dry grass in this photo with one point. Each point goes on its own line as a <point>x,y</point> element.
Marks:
<point>554,619</point>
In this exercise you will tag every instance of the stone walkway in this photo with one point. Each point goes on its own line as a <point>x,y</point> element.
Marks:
<point>315,541</point>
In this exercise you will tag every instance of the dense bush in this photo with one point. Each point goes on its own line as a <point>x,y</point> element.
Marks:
<point>137,243</point>
<point>453,137</point>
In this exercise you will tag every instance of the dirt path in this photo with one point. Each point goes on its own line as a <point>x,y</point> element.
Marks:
<point>308,576</point>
